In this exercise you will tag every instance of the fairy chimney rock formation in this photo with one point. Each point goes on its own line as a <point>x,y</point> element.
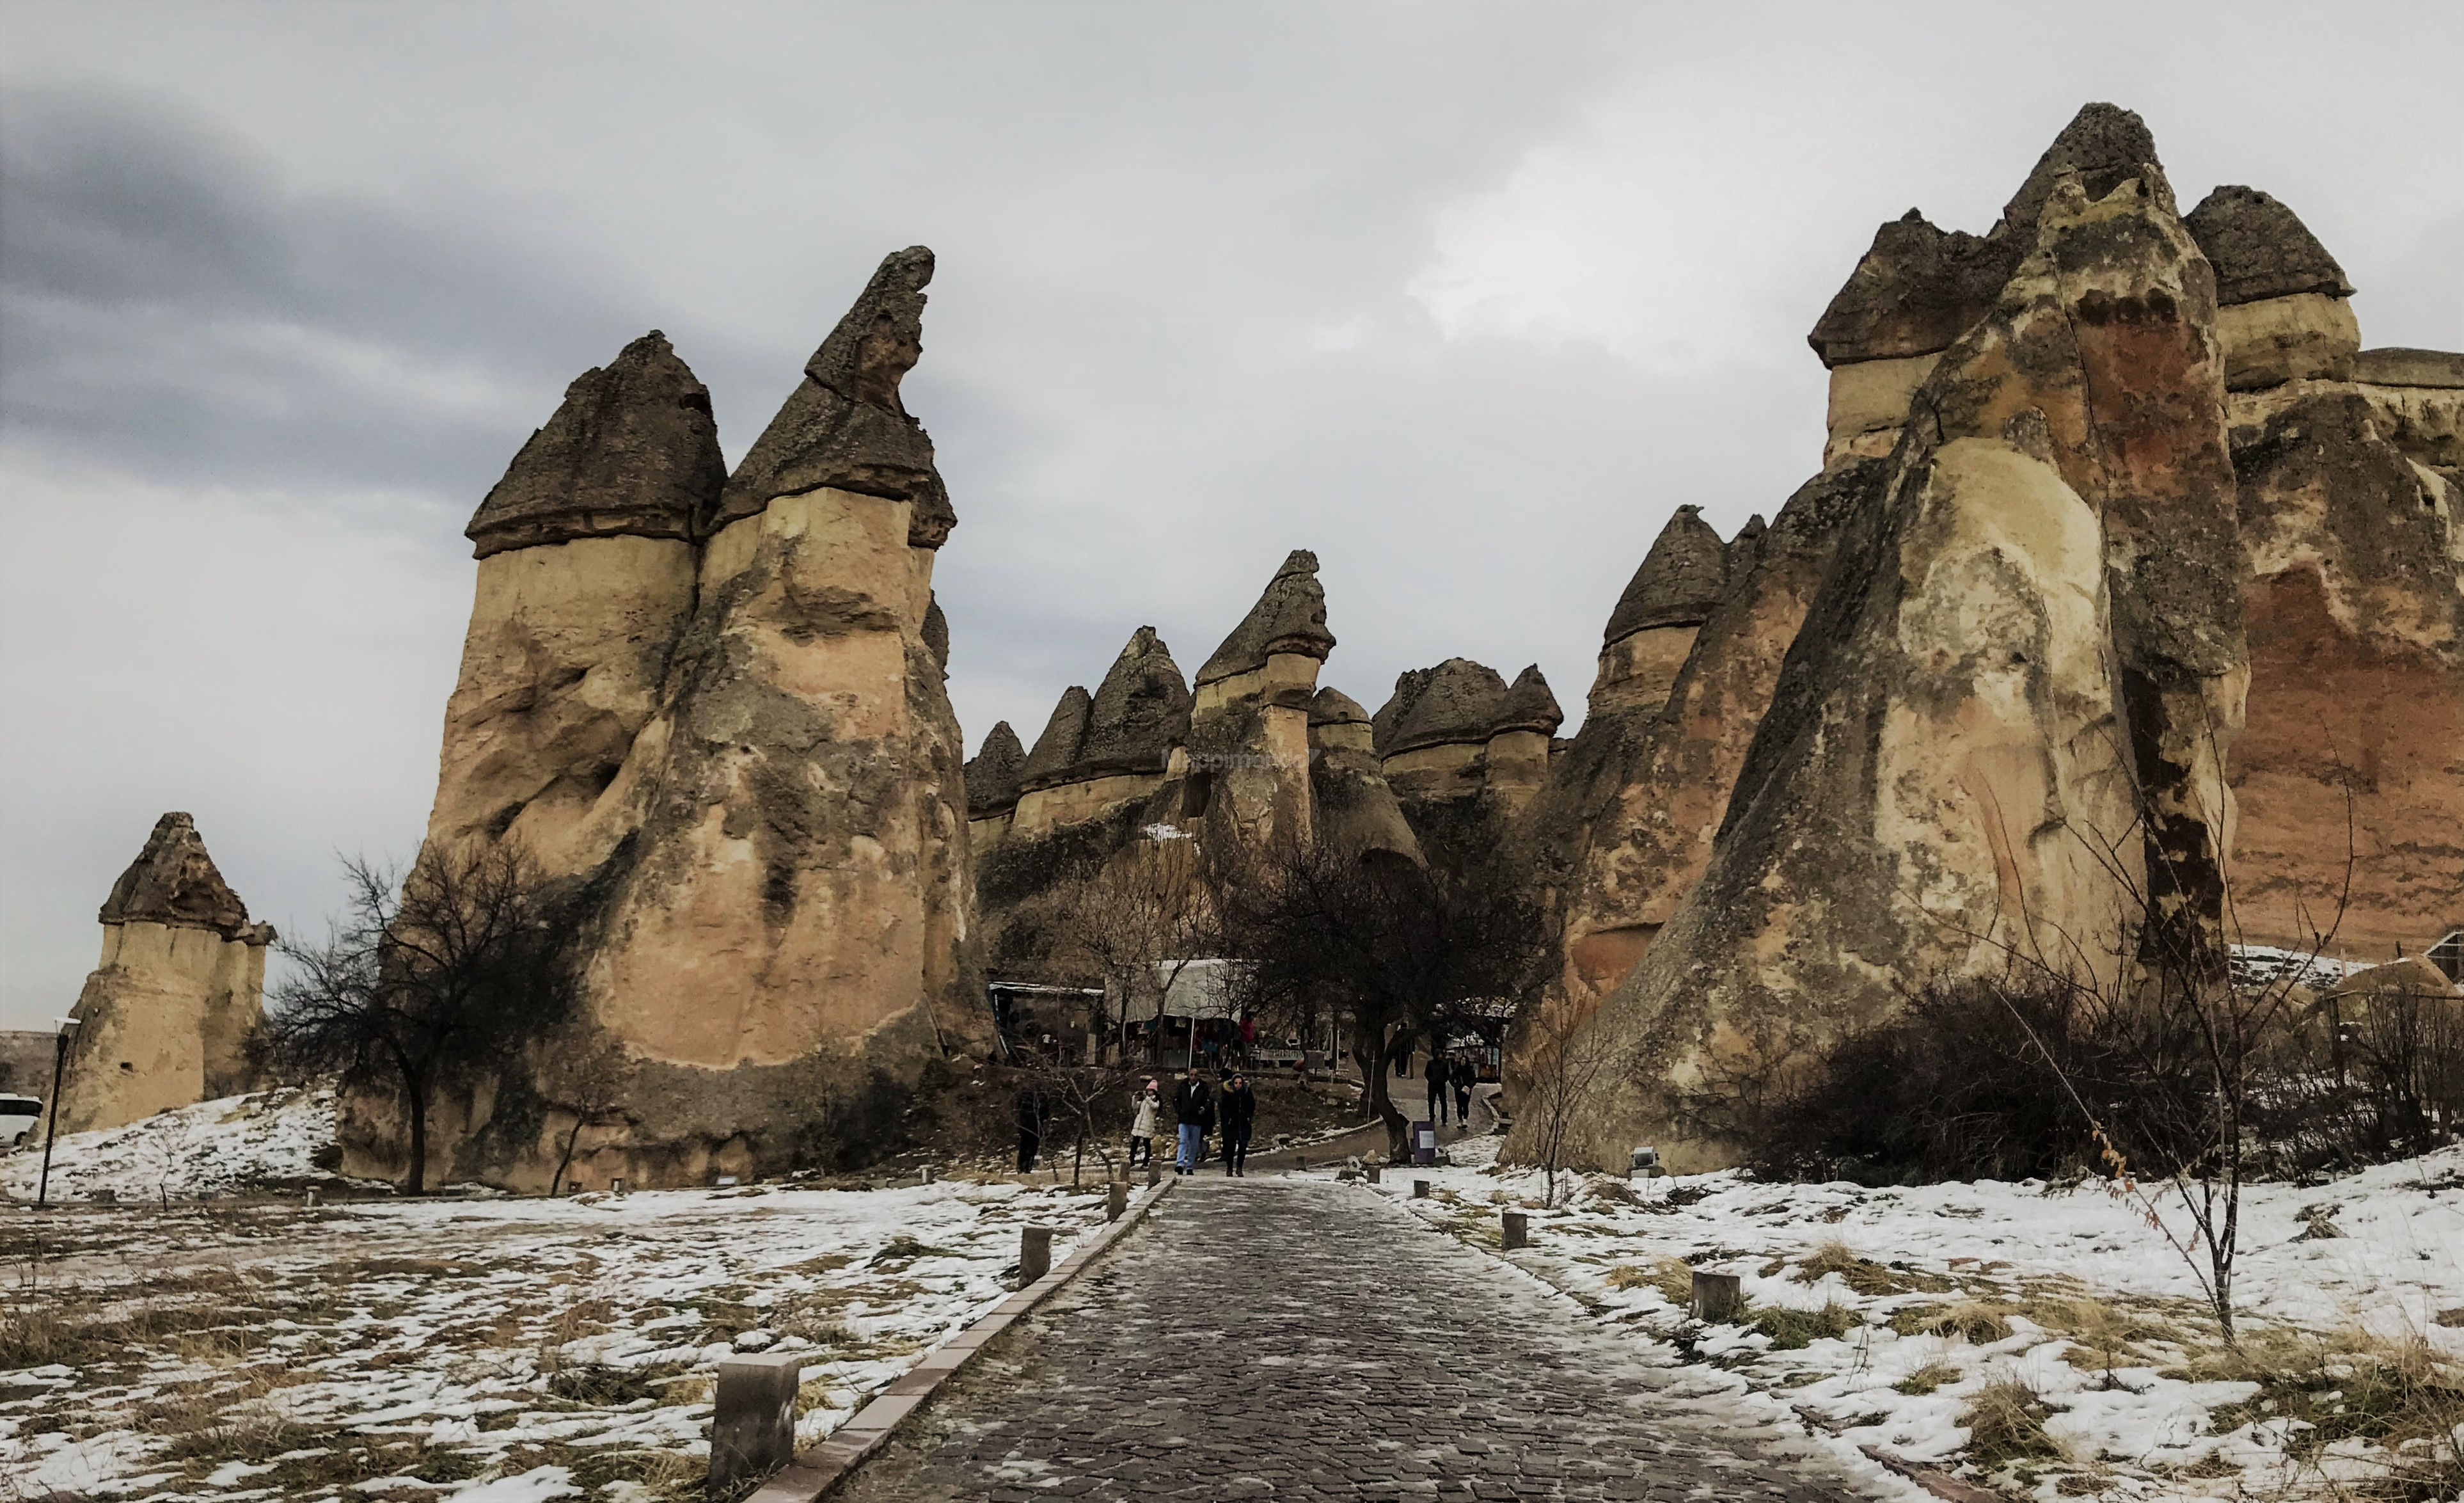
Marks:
<point>585,582</point>
<point>1098,752</point>
<point>1247,770</point>
<point>163,1019</point>
<point>1653,629</point>
<point>1464,751</point>
<point>2282,309</point>
<point>2048,587</point>
<point>713,709</point>
<point>992,780</point>
<point>1355,810</point>
<point>1919,288</point>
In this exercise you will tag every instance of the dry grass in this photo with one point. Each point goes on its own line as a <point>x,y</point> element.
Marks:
<point>1673,1277</point>
<point>1975,1320</point>
<point>1792,1330</point>
<point>2006,1421</point>
<point>2398,1395</point>
<point>1927,1379</point>
<point>1863,1275</point>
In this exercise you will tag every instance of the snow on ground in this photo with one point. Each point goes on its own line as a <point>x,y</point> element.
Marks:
<point>1887,1318</point>
<point>493,1350</point>
<point>270,1139</point>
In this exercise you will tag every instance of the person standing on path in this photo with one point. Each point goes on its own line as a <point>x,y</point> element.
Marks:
<point>1032,1111</point>
<point>1142,1123</point>
<point>1239,1116</point>
<point>1193,1105</point>
<point>1464,1075</point>
<point>1437,1078</point>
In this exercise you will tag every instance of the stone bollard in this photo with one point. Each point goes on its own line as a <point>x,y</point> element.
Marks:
<point>1419,1189</point>
<point>311,1197</point>
<point>1716,1298</point>
<point>1154,1174</point>
<point>753,1425</point>
<point>1034,1254</point>
<point>1116,1199</point>
<point>1373,1174</point>
<point>926,1174</point>
<point>1518,1230</point>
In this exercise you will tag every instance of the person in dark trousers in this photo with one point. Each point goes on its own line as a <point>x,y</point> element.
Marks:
<point>1032,1111</point>
<point>1437,1076</point>
<point>1464,1077</point>
<point>1239,1114</point>
<point>1193,1104</point>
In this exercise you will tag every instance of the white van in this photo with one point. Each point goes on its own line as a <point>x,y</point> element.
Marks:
<point>18,1116</point>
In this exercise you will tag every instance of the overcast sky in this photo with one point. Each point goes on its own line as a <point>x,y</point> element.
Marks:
<point>1464,297</point>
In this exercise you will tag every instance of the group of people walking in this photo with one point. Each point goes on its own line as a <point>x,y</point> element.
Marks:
<point>1451,1077</point>
<point>1198,1108</point>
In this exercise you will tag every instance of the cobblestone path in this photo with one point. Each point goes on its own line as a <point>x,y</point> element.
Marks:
<point>1295,1339</point>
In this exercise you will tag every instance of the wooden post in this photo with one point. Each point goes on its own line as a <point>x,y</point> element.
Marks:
<point>1116,1199</point>
<point>1716,1298</point>
<point>1154,1174</point>
<point>753,1425</point>
<point>1419,1189</point>
<point>1518,1230</point>
<point>1373,1174</point>
<point>1034,1254</point>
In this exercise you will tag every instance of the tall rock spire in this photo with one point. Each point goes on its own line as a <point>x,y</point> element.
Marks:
<point>1140,712</point>
<point>992,776</point>
<point>631,451</point>
<point>843,426</point>
<point>1056,750</point>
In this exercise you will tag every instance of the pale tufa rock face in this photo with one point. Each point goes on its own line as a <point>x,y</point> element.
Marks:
<point>2037,627</point>
<point>163,1019</point>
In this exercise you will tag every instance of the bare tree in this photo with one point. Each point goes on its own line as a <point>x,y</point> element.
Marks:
<point>1563,1061</point>
<point>1135,925</point>
<point>590,1085</point>
<point>1399,950</point>
<point>424,982</point>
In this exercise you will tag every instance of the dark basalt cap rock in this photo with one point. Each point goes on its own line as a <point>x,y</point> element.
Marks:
<point>1678,582</point>
<point>1289,618</point>
<point>843,426</point>
<point>1919,288</point>
<point>1333,707</point>
<point>1056,750</point>
<point>1139,714</point>
<point>1530,706</point>
<point>991,778</point>
<point>1459,702</point>
<point>2260,249</point>
<point>633,452</point>
<point>173,881</point>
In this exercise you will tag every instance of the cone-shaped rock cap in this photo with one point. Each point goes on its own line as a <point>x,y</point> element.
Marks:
<point>1289,618</point>
<point>631,451</point>
<point>843,426</point>
<point>2260,249</point>
<point>992,777</point>
<point>1056,750</point>
<point>1333,707</point>
<point>2104,144</point>
<point>1681,577</point>
<point>1140,712</point>
<point>1459,702</point>
<point>1530,705</point>
<point>173,881</point>
<point>1919,288</point>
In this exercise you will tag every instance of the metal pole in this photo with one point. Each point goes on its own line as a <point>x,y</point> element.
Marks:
<point>59,1064</point>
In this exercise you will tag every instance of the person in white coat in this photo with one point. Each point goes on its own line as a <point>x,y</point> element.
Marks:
<point>1142,1123</point>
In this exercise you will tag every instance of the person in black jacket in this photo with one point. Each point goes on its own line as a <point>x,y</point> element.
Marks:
<point>1194,1105</point>
<point>1239,1116</point>
<point>1437,1073</point>
<point>1032,1111</point>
